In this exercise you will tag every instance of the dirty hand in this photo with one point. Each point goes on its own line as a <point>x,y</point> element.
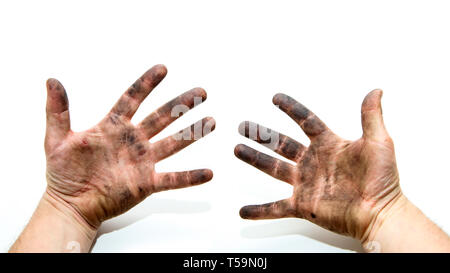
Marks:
<point>106,170</point>
<point>338,184</point>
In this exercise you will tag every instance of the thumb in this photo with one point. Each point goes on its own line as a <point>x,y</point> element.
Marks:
<point>58,119</point>
<point>372,116</point>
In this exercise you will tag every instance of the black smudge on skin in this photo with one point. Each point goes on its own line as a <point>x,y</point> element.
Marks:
<point>128,137</point>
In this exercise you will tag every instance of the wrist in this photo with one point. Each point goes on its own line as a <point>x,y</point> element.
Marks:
<point>371,239</point>
<point>74,233</point>
<point>55,227</point>
<point>67,212</point>
<point>402,227</point>
<point>383,223</point>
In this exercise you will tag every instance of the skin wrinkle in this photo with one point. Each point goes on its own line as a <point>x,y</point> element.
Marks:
<point>104,171</point>
<point>125,198</point>
<point>337,183</point>
<point>299,154</point>
<point>189,176</point>
<point>153,122</point>
<point>284,172</point>
<point>289,148</point>
<point>275,168</point>
<point>68,205</point>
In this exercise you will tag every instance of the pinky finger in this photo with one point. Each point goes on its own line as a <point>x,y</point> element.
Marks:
<point>178,180</point>
<point>274,210</point>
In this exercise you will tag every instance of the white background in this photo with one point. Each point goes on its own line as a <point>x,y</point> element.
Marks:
<point>326,54</point>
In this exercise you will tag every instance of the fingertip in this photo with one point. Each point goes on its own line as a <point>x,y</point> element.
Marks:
<point>200,92</point>
<point>244,153</point>
<point>277,98</point>
<point>211,122</point>
<point>53,84</point>
<point>57,100</point>
<point>208,174</point>
<point>377,94</point>
<point>378,91</point>
<point>156,74</point>
<point>160,69</point>
<point>242,129</point>
<point>372,100</point>
<point>238,149</point>
<point>244,212</point>
<point>50,82</point>
<point>201,176</point>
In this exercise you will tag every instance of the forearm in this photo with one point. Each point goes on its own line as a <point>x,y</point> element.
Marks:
<point>55,227</point>
<point>404,228</point>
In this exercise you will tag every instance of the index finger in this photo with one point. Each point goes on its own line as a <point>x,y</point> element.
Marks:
<point>308,121</point>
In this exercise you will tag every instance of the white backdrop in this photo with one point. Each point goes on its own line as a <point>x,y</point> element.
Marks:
<point>326,54</point>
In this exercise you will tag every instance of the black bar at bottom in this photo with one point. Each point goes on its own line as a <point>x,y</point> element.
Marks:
<point>223,262</point>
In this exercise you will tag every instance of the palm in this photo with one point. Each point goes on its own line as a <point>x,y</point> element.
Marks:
<point>338,184</point>
<point>108,169</point>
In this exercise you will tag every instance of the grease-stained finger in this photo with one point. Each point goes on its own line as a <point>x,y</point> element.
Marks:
<point>308,121</point>
<point>169,112</point>
<point>372,116</point>
<point>274,210</point>
<point>279,143</point>
<point>176,142</point>
<point>129,102</point>
<point>57,109</point>
<point>266,163</point>
<point>177,180</point>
